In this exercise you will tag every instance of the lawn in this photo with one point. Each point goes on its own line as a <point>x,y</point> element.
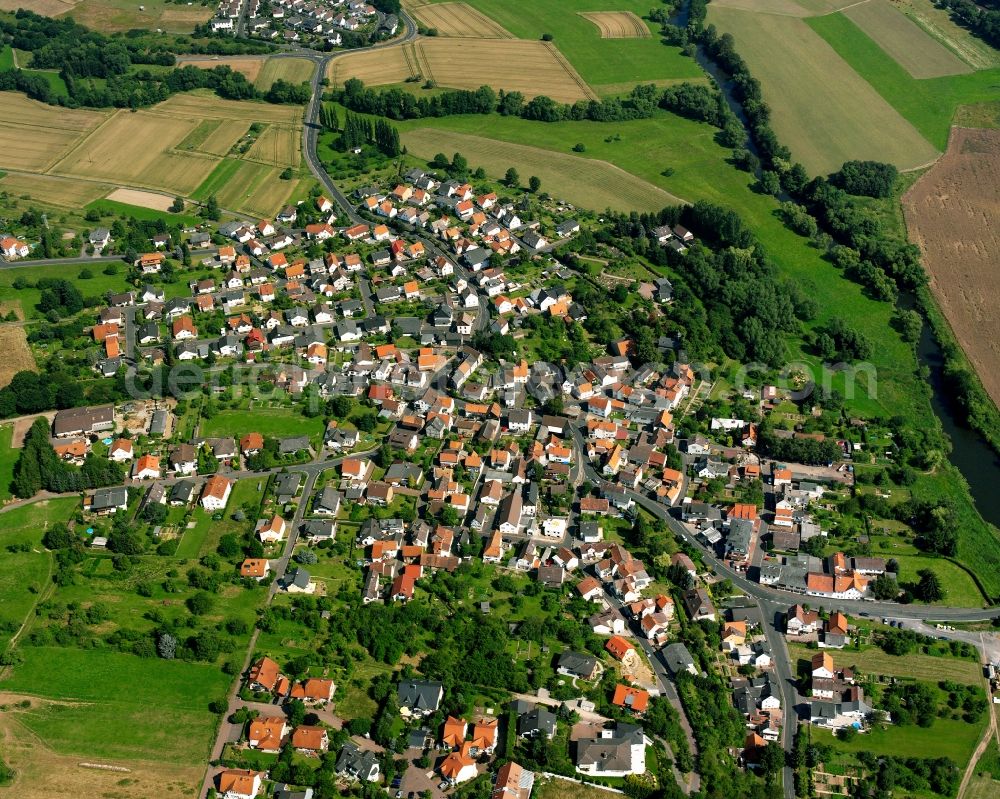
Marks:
<point>608,65</point>
<point>929,105</point>
<point>111,693</point>
<point>960,588</point>
<point>946,738</point>
<point>8,457</point>
<point>271,422</point>
<point>916,665</point>
<point>94,286</point>
<point>204,536</point>
<point>23,576</point>
<point>26,523</point>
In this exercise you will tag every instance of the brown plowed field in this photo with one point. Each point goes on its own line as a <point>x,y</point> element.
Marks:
<point>617,24</point>
<point>953,214</point>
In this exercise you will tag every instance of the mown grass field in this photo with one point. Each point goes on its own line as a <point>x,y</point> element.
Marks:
<point>276,422</point>
<point>946,738</point>
<point>929,105</point>
<point>599,61</point>
<point>107,206</point>
<point>960,588</point>
<point>599,185</point>
<point>8,457</point>
<point>926,668</point>
<point>23,576</point>
<point>105,693</point>
<point>822,109</point>
<point>28,297</point>
<point>903,39</point>
<point>111,16</point>
<point>293,70</point>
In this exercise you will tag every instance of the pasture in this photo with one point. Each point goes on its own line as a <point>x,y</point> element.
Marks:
<point>599,61</point>
<point>293,70</point>
<point>48,8</point>
<point>461,20</point>
<point>60,192</point>
<point>531,68</point>
<point>908,44</point>
<point>248,66</point>
<point>928,104</point>
<point>113,16</point>
<point>821,108</point>
<point>617,24</point>
<point>33,135</point>
<point>587,183</point>
<point>951,215</point>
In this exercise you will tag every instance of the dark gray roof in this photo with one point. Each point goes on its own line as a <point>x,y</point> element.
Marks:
<point>419,695</point>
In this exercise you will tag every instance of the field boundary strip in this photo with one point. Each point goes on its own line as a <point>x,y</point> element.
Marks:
<point>423,62</point>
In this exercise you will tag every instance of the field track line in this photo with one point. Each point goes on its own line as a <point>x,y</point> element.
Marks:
<point>410,58</point>
<point>584,87</point>
<point>79,143</point>
<point>421,57</point>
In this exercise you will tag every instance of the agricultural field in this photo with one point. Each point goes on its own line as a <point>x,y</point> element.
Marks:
<point>459,19</point>
<point>903,39</point>
<point>278,145</point>
<point>951,214</point>
<point>143,199</point>
<point>939,24</point>
<point>823,110</point>
<point>138,149</point>
<point>600,62</point>
<point>293,70</point>
<point>49,8</point>
<point>617,24</point>
<point>205,105</point>
<point>61,192</point>
<point>513,65</point>
<point>17,357</point>
<point>248,66</point>
<point>112,16</point>
<point>214,136</point>
<point>592,183</point>
<point>929,104</point>
<point>33,135</point>
<point>247,186</point>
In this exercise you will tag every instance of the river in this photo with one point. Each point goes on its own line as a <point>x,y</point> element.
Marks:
<point>975,458</point>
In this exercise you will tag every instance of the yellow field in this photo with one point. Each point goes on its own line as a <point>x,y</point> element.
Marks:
<point>143,199</point>
<point>256,189</point>
<point>48,8</point>
<point>205,105</point>
<point>788,8</point>
<point>820,107</point>
<point>61,192</point>
<point>460,19</point>
<point>137,149</point>
<point>586,182</point>
<point>279,145</point>
<point>511,64</point>
<point>904,40</point>
<point>248,66</point>
<point>617,24</point>
<point>937,23</point>
<point>221,140</point>
<point>17,355</point>
<point>374,67</point>
<point>293,70</point>
<point>34,135</point>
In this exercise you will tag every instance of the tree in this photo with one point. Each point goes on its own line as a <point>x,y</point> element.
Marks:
<point>177,205</point>
<point>885,587</point>
<point>200,603</point>
<point>534,184</point>
<point>211,210</point>
<point>772,759</point>
<point>929,587</point>
<point>166,646</point>
<point>295,711</point>
<point>511,178</point>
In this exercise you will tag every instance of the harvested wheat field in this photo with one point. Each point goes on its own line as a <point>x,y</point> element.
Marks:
<point>586,182</point>
<point>374,67</point>
<point>33,135</point>
<point>47,8</point>
<point>460,19</point>
<point>17,355</point>
<point>293,70</point>
<point>205,105</point>
<point>617,24</point>
<point>61,192</point>
<point>953,214</point>
<point>278,145</point>
<point>143,199</point>
<point>531,68</point>
<point>255,189</point>
<point>903,39</point>
<point>247,66</point>
<point>137,149</point>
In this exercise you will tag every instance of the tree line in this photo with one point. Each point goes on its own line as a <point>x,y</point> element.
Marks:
<point>39,467</point>
<point>982,18</point>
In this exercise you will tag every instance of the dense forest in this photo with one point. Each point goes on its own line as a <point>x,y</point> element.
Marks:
<point>101,71</point>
